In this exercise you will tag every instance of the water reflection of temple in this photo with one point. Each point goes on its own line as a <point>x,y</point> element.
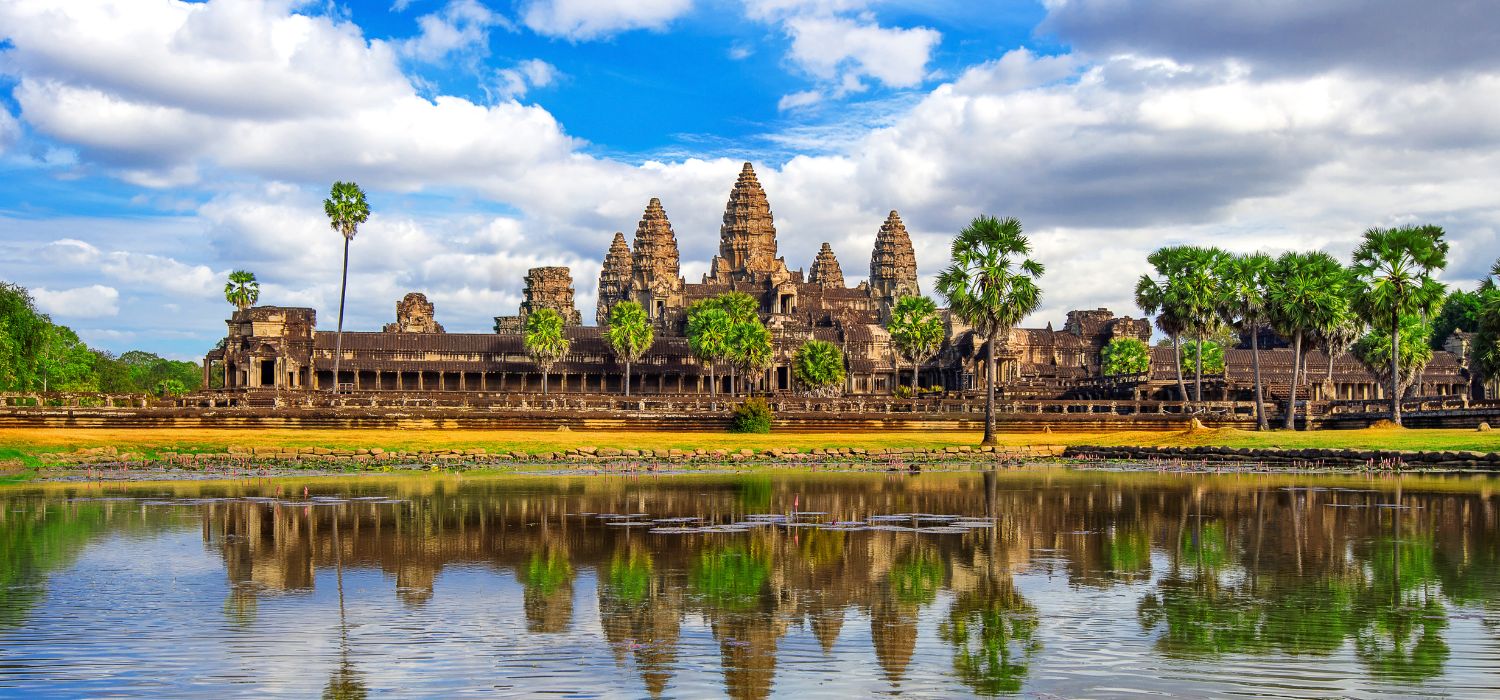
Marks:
<point>1271,569</point>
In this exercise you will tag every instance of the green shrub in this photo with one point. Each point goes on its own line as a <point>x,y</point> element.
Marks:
<point>752,416</point>
<point>903,392</point>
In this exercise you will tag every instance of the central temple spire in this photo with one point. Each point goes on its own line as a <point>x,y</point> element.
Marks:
<point>747,240</point>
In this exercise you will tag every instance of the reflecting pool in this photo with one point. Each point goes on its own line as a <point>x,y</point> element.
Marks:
<point>1031,583</point>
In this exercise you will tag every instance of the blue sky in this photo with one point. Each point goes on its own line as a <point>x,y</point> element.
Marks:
<point>149,146</point>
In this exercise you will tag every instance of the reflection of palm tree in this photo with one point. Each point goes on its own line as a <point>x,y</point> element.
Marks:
<point>347,683</point>
<point>548,594</point>
<point>993,633</point>
<point>637,616</point>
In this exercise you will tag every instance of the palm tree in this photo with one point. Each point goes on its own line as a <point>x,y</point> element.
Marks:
<point>991,284</point>
<point>346,209</point>
<point>1156,298</point>
<point>1487,335</point>
<point>545,341</point>
<point>819,365</point>
<point>1396,267</point>
<point>629,334</point>
<point>1200,285</point>
<point>1243,307</point>
<point>1304,301</point>
<point>916,333</point>
<point>708,338</point>
<point>242,290</point>
<point>749,347</point>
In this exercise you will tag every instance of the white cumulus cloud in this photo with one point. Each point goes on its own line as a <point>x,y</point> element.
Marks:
<point>514,82</point>
<point>582,20</point>
<point>93,301</point>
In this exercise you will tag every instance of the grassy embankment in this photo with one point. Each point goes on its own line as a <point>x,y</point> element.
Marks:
<point>21,447</point>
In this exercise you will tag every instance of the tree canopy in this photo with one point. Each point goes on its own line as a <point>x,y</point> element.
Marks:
<point>819,365</point>
<point>545,341</point>
<point>1125,356</point>
<point>242,289</point>
<point>629,335</point>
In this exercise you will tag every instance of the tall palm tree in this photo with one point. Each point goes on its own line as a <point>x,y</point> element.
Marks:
<point>991,284</point>
<point>1158,298</point>
<point>1304,301</point>
<point>629,334</point>
<point>242,289</point>
<point>1197,288</point>
<point>916,333</point>
<point>346,209</point>
<point>1487,336</point>
<point>1396,267</point>
<point>708,339</point>
<point>1244,308</point>
<point>750,349</point>
<point>545,341</point>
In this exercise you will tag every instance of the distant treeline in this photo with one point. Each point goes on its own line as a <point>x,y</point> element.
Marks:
<point>39,355</point>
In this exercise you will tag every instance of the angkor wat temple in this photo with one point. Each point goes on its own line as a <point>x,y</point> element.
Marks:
<point>280,348</point>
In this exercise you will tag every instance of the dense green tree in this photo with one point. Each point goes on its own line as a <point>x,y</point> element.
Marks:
<point>66,363</point>
<point>346,209</point>
<point>629,335</point>
<point>23,332</point>
<point>1125,356</point>
<point>1397,268</point>
<point>916,333</point>
<point>1460,311</point>
<point>819,365</point>
<point>708,328</point>
<point>1487,337</point>
<point>242,289</point>
<point>749,345</point>
<point>1243,307</point>
<point>1306,299</point>
<point>1374,351</point>
<point>991,284</point>
<point>1207,356</point>
<point>545,341</point>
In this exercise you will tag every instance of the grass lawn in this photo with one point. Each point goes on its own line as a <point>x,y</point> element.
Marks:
<point>19,447</point>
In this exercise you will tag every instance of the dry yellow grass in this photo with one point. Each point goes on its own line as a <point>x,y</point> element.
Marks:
<point>25,443</point>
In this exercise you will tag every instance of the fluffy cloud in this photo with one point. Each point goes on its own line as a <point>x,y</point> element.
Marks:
<point>93,301</point>
<point>829,47</point>
<point>514,82</point>
<point>581,20</point>
<point>462,25</point>
<point>1378,37</point>
<point>158,92</point>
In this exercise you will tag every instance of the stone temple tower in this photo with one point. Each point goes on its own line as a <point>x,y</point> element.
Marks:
<point>655,275</point>
<point>614,278</point>
<point>747,240</point>
<point>825,270</point>
<point>893,266</point>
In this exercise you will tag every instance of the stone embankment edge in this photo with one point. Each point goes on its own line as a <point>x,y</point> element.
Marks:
<point>1301,458</point>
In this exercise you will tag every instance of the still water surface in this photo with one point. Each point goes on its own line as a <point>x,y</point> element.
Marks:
<point>1038,584</point>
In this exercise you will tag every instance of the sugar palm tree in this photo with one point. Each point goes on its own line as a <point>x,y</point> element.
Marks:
<point>1244,307</point>
<point>708,339</point>
<point>1487,336</point>
<point>1158,298</point>
<point>629,334</point>
<point>1199,286</point>
<point>991,284</point>
<point>749,345</point>
<point>819,365</point>
<point>916,334</point>
<point>545,341</point>
<point>346,209</point>
<point>242,290</point>
<point>1396,267</point>
<point>1304,301</point>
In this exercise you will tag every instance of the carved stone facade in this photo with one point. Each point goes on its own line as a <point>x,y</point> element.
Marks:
<point>747,240</point>
<point>825,271</point>
<point>893,265</point>
<point>614,278</point>
<point>550,288</point>
<point>656,277</point>
<point>414,314</point>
